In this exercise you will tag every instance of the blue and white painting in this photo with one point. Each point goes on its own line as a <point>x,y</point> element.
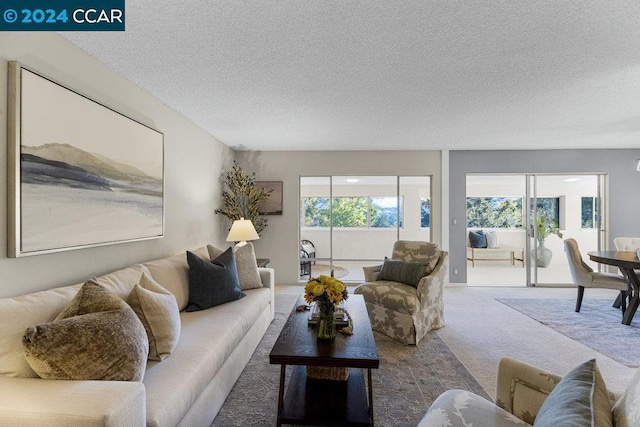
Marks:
<point>88,175</point>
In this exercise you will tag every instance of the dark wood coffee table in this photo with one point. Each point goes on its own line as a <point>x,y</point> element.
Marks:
<point>311,401</point>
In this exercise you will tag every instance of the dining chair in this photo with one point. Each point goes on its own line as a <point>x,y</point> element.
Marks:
<point>628,244</point>
<point>584,277</point>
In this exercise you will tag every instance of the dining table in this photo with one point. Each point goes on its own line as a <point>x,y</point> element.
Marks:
<point>628,263</point>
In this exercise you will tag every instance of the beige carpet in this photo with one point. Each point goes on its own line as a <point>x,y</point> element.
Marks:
<point>481,330</point>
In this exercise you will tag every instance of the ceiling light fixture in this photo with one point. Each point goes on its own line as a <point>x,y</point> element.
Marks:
<point>638,164</point>
<point>352,180</point>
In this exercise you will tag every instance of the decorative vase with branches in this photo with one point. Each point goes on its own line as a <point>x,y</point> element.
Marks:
<point>242,196</point>
<point>545,227</point>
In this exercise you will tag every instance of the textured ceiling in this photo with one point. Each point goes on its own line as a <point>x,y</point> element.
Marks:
<point>384,74</point>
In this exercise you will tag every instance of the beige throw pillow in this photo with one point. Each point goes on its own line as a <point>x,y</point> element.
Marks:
<point>96,337</point>
<point>245,263</point>
<point>158,311</point>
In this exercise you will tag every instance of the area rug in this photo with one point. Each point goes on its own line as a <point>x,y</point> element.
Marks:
<point>325,269</point>
<point>598,325</point>
<point>409,379</point>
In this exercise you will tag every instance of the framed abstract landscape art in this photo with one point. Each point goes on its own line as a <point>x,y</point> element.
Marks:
<point>80,174</point>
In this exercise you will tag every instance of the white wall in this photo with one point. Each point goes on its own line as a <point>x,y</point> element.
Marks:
<point>194,162</point>
<point>280,241</point>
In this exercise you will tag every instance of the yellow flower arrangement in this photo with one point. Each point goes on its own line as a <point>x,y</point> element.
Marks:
<point>325,289</point>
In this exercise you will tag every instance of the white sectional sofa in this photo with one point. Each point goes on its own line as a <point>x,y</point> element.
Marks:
<point>187,388</point>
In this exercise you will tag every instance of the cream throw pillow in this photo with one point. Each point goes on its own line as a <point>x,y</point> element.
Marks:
<point>245,263</point>
<point>158,311</point>
<point>96,337</point>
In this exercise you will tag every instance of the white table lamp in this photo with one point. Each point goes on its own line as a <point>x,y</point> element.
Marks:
<point>241,231</point>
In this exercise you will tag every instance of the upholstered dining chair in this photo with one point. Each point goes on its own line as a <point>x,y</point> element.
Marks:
<point>628,244</point>
<point>404,295</point>
<point>584,276</point>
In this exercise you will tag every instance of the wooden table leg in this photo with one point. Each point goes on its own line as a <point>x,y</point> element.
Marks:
<point>283,371</point>
<point>370,384</point>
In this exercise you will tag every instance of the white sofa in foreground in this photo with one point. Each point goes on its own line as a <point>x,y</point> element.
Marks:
<point>187,388</point>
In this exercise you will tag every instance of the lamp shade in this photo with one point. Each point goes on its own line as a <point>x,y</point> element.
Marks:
<point>242,230</point>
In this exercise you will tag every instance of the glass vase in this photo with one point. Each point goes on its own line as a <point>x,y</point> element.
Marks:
<point>326,320</point>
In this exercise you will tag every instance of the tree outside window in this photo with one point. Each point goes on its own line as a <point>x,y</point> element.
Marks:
<point>425,212</point>
<point>589,212</point>
<point>494,212</point>
<point>352,212</point>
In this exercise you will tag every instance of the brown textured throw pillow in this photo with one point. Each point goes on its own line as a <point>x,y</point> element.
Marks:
<point>96,337</point>
<point>158,311</point>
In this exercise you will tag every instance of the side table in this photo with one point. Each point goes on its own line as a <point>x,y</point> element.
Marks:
<point>263,262</point>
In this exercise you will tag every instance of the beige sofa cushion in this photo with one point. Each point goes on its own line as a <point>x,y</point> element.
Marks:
<point>207,339</point>
<point>158,311</point>
<point>173,274</point>
<point>97,336</point>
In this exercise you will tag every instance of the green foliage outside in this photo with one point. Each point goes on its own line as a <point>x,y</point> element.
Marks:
<point>347,212</point>
<point>494,212</point>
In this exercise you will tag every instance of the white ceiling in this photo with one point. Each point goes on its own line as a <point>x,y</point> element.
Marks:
<point>388,74</point>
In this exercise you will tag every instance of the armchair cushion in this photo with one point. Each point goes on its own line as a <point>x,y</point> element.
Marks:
<point>409,273</point>
<point>456,408</point>
<point>394,296</point>
<point>579,399</point>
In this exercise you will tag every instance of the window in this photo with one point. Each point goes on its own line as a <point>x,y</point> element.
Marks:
<point>352,212</point>
<point>384,212</point>
<point>316,211</point>
<point>589,212</point>
<point>425,212</point>
<point>549,208</point>
<point>494,212</point>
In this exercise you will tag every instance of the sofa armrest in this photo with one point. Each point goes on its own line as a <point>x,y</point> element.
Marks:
<point>268,277</point>
<point>371,273</point>
<point>522,388</point>
<point>35,402</point>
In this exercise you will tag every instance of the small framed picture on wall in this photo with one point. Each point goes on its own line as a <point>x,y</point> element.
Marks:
<point>273,205</point>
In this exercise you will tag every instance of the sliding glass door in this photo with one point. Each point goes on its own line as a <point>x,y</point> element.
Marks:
<point>528,216</point>
<point>563,206</point>
<point>353,221</point>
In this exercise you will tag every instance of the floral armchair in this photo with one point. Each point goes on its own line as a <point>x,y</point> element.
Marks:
<point>404,295</point>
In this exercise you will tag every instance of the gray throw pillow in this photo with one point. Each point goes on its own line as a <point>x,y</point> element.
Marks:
<point>96,337</point>
<point>246,264</point>
<point>158,311</point>
<point>580,399</point>
<point>409,273</point>
<point>212,283</point>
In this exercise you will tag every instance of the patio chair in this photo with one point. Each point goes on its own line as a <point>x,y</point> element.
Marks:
<point>584,277</point>
<point>307,253</point>
<point>404,295</point>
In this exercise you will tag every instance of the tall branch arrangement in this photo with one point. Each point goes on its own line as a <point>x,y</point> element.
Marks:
<point>241,198</point>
